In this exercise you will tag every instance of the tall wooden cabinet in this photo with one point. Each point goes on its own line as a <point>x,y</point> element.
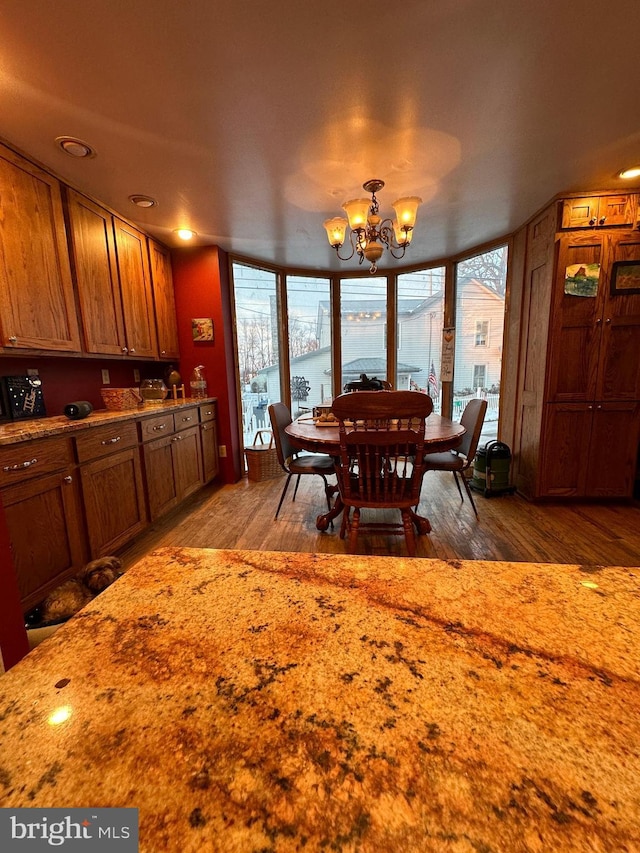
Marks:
<point>37,305</point>
<point>579,372</point>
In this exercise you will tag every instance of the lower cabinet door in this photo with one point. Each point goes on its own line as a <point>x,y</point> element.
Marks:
<point>209,439</point>
<point>162,493</point>
<point>114,501</point>
<point>187,461</point>
<point>565,453</point>
<point>46,533</point>
<point>615,434</point>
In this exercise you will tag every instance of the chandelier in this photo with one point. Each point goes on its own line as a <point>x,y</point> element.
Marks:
<point>370,234</point>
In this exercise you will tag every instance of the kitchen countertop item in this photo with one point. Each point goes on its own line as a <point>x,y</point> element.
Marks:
<point>247,701</point>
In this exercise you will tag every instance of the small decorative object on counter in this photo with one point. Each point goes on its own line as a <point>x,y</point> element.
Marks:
<point>172,377</point>
<point>198,382</point>
<point>77,410</point>
<point>23,397</point>
<point>153,390</point>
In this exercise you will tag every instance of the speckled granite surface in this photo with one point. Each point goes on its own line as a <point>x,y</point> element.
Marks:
<point>255,701</point>
<point>13,432</point>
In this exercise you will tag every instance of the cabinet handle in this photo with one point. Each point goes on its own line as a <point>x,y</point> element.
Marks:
<point>186,420</point>
<point>14,340</point>
<point>67,479</point>
<point>20,465</point>
<point>125,350</point>
<point>177,438</point>
<point>209,412</point>
<point>603,219</point>
<point>111,440</point>
<point>160,427</point>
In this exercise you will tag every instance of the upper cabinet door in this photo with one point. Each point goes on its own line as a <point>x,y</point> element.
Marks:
<point>619,374</point>
<point>588,212</point>
<point>135,286</point>
<point>576,318</point>
<point>164,299</point>
<point>94,263</point>
<point>37,307</point>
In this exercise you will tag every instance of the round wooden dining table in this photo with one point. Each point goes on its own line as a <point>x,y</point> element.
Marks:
<point>304,433</point>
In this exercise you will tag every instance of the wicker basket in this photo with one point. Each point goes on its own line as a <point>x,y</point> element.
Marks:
<point>121,399</point>
<point>262,459</point>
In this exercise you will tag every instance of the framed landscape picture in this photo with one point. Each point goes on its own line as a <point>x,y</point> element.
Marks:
<point>625,277</point>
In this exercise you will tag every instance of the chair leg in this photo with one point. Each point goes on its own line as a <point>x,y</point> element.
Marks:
<point>468,490</point>
<point>295,491</point>
<point>455,477</point>
<point>409,533</point>
<point>345,521</point>
<point>328,491</point>
<point>353,531</point>
<point>284,492</point>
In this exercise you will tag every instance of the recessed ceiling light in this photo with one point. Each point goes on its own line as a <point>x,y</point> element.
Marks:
<point>185,233</point>
<point>75,147</point>
<point>143,200</point>
<point>633,172</point>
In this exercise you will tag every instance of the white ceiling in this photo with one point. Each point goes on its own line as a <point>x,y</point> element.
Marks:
<point>251,121</point>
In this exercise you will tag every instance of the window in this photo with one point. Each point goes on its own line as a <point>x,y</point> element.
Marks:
<point>363,326</point>
<point>479,375</point>
<point>482,333</point>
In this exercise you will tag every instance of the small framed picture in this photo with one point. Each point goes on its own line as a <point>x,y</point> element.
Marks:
<point>625,277</point>
<point>202,329</point>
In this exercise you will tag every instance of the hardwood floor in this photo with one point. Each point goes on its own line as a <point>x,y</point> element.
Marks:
<point>240,516</point>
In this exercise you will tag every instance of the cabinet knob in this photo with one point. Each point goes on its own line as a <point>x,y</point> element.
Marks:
<point>593,220</point>
<point>603,219</point>
<point>598,407</point>
<point>590,408</point>
<point>608,320</point>
<point>598,321</point>
<point>14,340</point>
<point>163,352</point>
<point>132,350</point>
<point>67,479</point>
<point>125,350</point>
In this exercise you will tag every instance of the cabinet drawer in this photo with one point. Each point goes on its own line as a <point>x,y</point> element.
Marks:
<point>207,412</point>
<point>151,428</point>
<point>28,459</point>
<point>186,418</point>
<point>101,441</point>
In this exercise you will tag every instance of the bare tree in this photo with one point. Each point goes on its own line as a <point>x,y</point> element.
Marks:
<point>490,268</point>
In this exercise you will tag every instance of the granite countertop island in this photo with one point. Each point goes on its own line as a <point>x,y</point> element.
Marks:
<point>267,702</point>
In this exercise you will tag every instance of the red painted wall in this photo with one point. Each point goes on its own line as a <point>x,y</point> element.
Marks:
<point>201,282</point>
<point>13,636</point>
<point>67,379</point>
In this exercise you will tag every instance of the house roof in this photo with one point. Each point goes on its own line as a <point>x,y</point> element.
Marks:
<point>373,367</point>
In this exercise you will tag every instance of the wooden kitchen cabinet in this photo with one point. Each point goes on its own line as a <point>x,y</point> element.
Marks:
<point>209,441</point>
<point>593,338</point>
<point>173,461</point>
<point>164,300</point>
<point>598,211</point>
<point>37,304</point>
<point>95,268</point>
<point>590,449</point>
<point>40,492</point>
<point>578,427</point>
<point>112,486</point>
<point>135,288</point>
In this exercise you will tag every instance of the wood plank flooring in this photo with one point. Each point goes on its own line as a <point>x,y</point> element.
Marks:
<point>240,516</point>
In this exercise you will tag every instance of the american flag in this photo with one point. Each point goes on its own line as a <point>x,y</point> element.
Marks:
<point>433,382</point>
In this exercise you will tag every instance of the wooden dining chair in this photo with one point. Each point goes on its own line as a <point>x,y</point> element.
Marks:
<point>460,459</point>
<point>380,463</point>
<point>294,463</point>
